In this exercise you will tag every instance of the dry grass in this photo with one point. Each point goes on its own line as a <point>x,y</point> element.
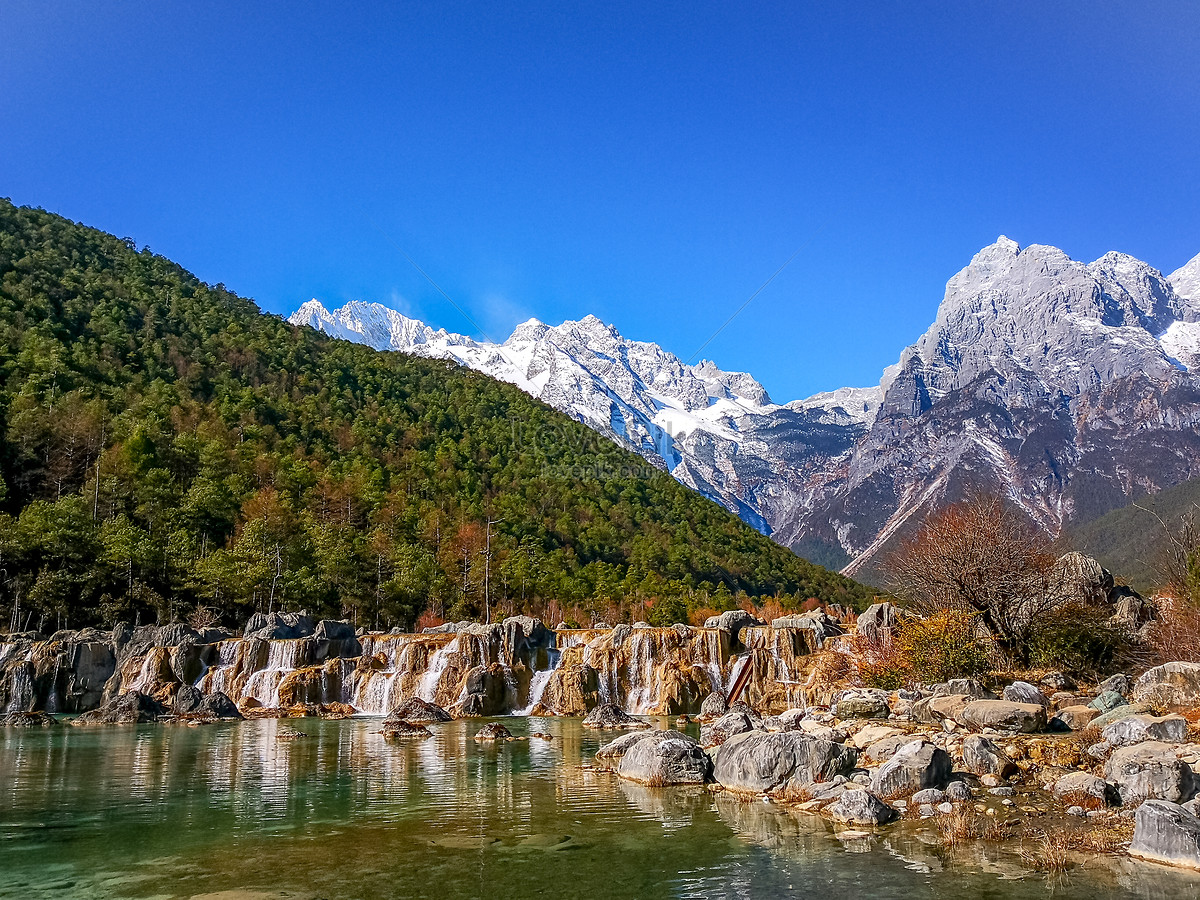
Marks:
<point>1050,853</point>
<point>792,794</point>
<point>964,825</point>
<point>1103,837</point>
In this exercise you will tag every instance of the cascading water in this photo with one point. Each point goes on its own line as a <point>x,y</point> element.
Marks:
<point>282,659</point>
<point>537,685</point>
<point>427,687</point>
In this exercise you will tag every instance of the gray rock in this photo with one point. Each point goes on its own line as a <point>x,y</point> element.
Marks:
<point>957,791</point>
<point>915,766</point>
<point>1118,684</point>
<point>1072,718</point>
<point>1134,729</point>
<point>1149,771</point>
<point>967,687</point>
<point>982,757</point>
<point>610,754</point>
<point>863,704</point>
<point>333,630</point>
<point>1116,715</point>
<point>1057,681</point>
<point>1108,700</point>
<point>930,795</point>
<point>37,719</point>
<point>714,706</point>
<point>1004,715</point>
<point>713,734</point>
<point>860,807</point>
<point>665,757</point>
<point>759,761</point>
<point>733,621</point>
<point>878,619</point>
<point>1166,832</point>
<point>1173,684</point>
<point>1024,692</point>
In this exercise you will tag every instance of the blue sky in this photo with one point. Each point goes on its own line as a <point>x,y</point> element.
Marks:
<point>652,164</point>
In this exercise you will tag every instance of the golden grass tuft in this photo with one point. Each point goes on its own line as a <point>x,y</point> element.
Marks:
<point>1050,853</point>
<point>965,824</point>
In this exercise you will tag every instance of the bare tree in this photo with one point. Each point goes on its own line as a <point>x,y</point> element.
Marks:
<point>982,556</point>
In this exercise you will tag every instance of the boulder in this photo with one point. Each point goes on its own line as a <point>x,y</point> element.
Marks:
<point>493,731</point>
<point>758,761</point>
<point>610,754</point>
<point>333,630</point>
<point>1106,701</point>
<point>664,757</point>
<point>1024,692</point>
<point>863,704</point>
<point>1004,715</point>
<point>1118,684</point>
<point>1072,718</point>
<point>399,730</point>
<point>878,620</point>
<point>1082,579</point>
<point>938,708</point>
<point>279,626</point>
<point>1138,728</point>
<point>713,734</point>
<point>732,621</point>
<point>418,712</point>
<point>968,687</point>
<point>611,716</point>
<point>885,748</point>
<point>486,692</point>
<point>915,766</point>
<point>1116,715</point>
<point>1149,771</point>
<point>714,706</point>
<point>218,706</point>
<point>871,734</point>
<point>983,757</point>
<point>127,709</point>
<point>817,622</point>
<point>1057,681</point>
<point>1173,684</point>
<point>1166,832</point>
<point>857,806</point>
<point>1131,611</point>
<point>187,700</point>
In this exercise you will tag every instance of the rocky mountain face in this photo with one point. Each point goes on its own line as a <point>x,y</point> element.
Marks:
<point>1068,387</point>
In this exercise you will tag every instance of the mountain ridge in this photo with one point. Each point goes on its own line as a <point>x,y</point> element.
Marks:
<point>1032,357</point>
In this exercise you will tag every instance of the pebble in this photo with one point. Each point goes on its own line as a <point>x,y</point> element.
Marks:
<point>1006,802</point>
<point>958,790</point>
<point>946,807</point>
<point>990,781</point>
<point>1076,811</point>
<point>1001,792</point>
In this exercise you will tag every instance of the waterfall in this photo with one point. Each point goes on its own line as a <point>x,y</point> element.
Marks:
<point>282,659</point>
<point>427,687</point>
<point>641,671</point>
<point>537,685</point>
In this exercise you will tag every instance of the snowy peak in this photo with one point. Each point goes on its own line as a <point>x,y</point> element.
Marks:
<point>1186,282</point>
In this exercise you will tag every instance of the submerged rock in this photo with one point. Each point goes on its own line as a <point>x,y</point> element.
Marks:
<point>663,758</point>
<point>418,711</point>
<point>129,708</point>
<point>399,730</point>
<point>28,720</point>
<point>1166,832</point>
<point>609,715</point>
<point>492,731</point>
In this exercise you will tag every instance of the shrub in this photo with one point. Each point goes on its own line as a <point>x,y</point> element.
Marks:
<point>1078,638</point>
<point>943,645</point>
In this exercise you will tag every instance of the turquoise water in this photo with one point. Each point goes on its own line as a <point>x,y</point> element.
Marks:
<point>236,813</point>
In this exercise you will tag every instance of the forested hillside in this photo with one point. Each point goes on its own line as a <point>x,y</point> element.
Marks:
<point>166,446</point>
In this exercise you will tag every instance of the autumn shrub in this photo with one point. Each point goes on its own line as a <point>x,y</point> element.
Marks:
<point>1175,636</point>
<point>945,644</point>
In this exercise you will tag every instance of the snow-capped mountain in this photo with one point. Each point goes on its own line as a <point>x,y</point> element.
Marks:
<point>1070,387</point>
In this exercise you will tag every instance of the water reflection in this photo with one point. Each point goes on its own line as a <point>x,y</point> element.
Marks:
<point>164,811</point>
